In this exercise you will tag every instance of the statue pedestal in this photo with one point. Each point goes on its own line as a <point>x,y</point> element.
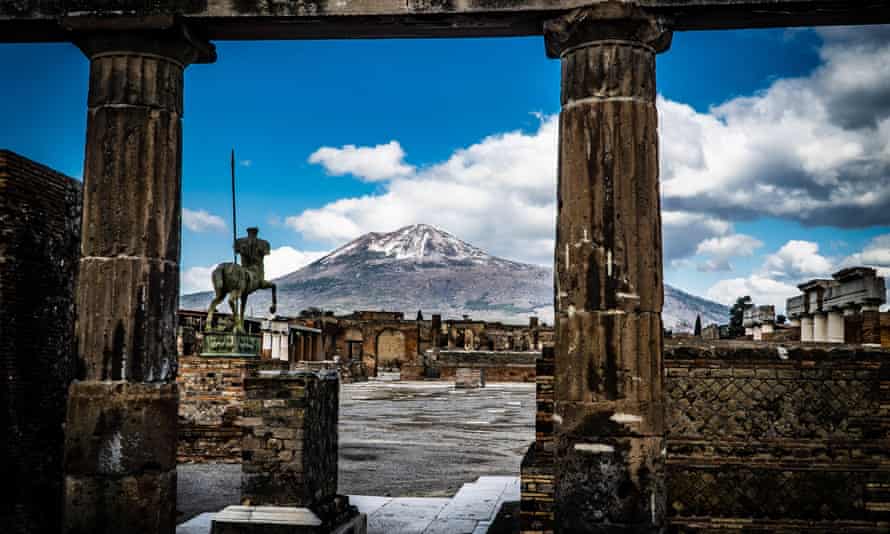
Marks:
<point>222,344</point>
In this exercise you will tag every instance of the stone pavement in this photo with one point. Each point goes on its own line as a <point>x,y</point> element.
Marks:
<point>470,511</point>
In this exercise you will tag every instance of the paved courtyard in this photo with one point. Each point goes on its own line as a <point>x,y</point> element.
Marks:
<point>402,439</point>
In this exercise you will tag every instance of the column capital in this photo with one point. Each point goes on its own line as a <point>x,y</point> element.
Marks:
<point>610,21</point>
<point>176,43</point>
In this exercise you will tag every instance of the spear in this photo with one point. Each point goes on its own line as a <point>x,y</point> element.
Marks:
<point>234,220</point>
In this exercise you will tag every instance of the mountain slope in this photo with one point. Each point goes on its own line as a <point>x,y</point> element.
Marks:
<point>420,267</point>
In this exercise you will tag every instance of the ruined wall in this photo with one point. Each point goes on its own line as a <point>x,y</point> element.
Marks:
<point>498,366</point>
<point>536,471</point>
<point>211,397</point>
<point>290,438</point>
<point>39,250</point>
<point>771,438</point>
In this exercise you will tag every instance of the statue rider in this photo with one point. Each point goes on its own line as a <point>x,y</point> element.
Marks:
<point>252,251</point>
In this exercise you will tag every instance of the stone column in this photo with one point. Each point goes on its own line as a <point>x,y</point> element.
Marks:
<point>820,327</point>
<point>609,412</point>
<point>806,328</point>
<point>121,431</point>
<point>835,326</point>
<point>871,324</point>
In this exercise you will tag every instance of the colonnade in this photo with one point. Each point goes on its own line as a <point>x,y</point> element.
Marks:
<point>609,421</point>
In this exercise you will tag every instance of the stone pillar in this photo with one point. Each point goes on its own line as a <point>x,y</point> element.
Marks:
<point>806,328</point>
<point>835,328</point>
<point>871,324</point>
<point>120,454</point>
<point>436,330</point>
<point>757,333</point>
<point>609,412</point>
<point>820,327</point>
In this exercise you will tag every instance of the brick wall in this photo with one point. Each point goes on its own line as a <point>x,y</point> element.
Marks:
<point>767,438</point>
<point>289,454</point>
<point>39,251</point>
<point>536,472</point>
<point>211,397</point>
<point>498,366</point>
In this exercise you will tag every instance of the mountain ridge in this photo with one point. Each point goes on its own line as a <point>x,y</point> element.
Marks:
<point>421,267</point>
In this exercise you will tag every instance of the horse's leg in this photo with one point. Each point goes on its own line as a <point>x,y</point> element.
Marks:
<point>210,311</point>
<point>233,305</point>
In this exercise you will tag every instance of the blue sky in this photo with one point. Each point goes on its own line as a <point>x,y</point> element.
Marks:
<point>773,166</point>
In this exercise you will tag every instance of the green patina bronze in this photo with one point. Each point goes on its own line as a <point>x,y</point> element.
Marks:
<point>239,281</point>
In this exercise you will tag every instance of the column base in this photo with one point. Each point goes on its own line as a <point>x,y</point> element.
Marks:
<point>611,485</point>
<point>120,458</point>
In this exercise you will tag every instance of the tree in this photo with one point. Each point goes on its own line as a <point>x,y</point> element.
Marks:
<point>780,319</point>
<point>420,315</point>
<point>697,331</point>
<point>737,315</point>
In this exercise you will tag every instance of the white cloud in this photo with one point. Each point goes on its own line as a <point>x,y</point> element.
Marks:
<point>875,254</point>
<point>499,194</point>
<point>372,164</point>
<point>279,262</point>
<point>795,261</point>
<point>721,249</point>
<point>815,149</point>
<point>762,290</point>
<point>196,279</point>
<point>246,162</point>
<point>285,260</point>
<point>202,221</point>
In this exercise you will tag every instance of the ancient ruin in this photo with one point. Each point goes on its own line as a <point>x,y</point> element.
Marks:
<point>613,455</point>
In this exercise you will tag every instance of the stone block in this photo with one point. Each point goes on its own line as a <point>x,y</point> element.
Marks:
<point>289,453</point>
<point>145,503</point>
<point>120,428</point>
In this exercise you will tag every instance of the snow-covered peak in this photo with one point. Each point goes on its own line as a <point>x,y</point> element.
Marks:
<point>419,243</point>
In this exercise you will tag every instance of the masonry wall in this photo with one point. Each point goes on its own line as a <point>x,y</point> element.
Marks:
<point>290,438</point>
<point>39,252</point>
<point>211,399</point>
<point>767,438</point>
<point>498,366</point>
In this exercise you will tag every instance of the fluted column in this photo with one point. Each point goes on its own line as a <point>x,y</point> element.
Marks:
<point>820,327</point>
<point>806,328</point>
<point>120,456</point>
<point>609,412</point>
<point>835,326</point>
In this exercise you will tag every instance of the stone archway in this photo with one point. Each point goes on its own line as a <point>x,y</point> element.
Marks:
<point>390,349</point>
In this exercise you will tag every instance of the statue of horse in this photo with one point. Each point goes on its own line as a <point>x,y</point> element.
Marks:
<point>239,281</point>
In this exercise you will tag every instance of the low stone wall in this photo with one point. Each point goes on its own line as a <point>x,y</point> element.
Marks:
<point>211,396</point>
<point>778,438</point>
<point>289,454</point>
<point>497,366</point>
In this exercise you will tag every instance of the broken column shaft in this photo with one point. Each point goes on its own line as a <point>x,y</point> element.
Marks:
<point>120,452</point>
<point>609,415</point>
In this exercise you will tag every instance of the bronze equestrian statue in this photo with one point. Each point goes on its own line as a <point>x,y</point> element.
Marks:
<point>239,281</point>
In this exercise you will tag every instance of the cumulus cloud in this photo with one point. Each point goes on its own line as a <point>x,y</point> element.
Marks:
<point>793,263</point>
<point>371,164</point>
<point>285,260</point>
<point>875,254</point>
<point>763,290</point>
<point>202,221</point>
<point>797,260</point>
<point>196,279</point>
<point>499,194</point>
<point>279,262</point>
<point>815,149</point>
<point>721,249</point>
